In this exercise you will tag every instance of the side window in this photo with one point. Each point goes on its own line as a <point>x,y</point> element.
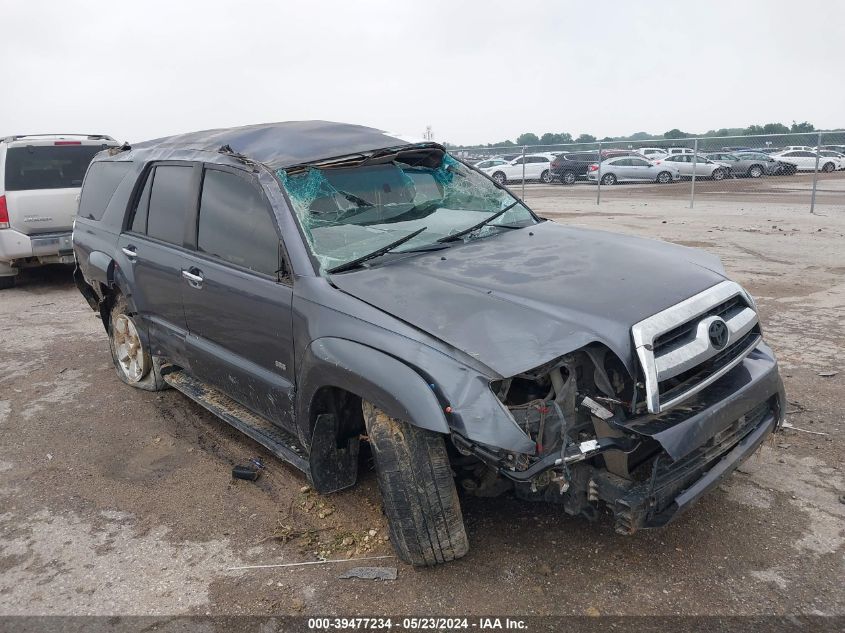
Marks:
<point>518,161</point>
<point>236,224</point>
<point>638,162</point>
<point>139,220</point>
<point>100,184</point>
<point>622,162</point>
<point>171,196</point>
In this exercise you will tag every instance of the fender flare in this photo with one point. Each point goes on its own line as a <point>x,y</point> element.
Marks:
<point>379,378</point>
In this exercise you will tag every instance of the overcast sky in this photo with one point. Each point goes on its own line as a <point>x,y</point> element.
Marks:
<point>475,71</point>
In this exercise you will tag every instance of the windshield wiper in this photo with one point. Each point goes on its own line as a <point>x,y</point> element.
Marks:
<point>456,236</point>
<point>384,249</point>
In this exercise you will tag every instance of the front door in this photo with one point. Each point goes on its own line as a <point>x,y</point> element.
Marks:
<point>238,312</point>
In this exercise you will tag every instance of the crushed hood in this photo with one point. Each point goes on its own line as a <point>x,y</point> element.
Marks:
<point>521,298</point>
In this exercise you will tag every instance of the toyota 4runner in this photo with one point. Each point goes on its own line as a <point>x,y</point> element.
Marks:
<point>316,285</point>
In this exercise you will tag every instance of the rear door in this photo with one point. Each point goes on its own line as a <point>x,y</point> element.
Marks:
<point>42,180</point>
<point>237,301</point>
<point>153,249</point>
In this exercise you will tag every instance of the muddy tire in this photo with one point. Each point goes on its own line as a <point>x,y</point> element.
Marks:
<point>132,360</point>
<point>418,490</point>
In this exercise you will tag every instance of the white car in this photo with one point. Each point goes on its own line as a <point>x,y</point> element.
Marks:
<point>805,160</point>
<point>490,162</point>
<point>687,164</point>
<point>632,169</point>
<point>829,153</point>
<point>537,167</point>
<point>40,179</point>
<point>653,153</point>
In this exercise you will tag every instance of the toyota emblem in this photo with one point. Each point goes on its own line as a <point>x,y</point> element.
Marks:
<point>718,333</point>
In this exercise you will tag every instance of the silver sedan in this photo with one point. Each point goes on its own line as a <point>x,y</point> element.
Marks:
<point>632,169</point>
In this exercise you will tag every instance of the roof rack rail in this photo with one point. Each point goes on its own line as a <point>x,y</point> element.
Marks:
<point>90,137</point>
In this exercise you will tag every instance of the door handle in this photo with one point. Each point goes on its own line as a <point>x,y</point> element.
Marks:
<point>129,252</point>
<point>195,279</point>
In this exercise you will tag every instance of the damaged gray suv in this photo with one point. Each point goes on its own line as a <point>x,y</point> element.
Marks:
<point>317,285</point>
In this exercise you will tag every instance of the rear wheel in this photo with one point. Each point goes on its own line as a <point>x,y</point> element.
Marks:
<point>755,171</point>
<point>718,174</point>
<point>131,358</point>
<point>546,177</point>
<point>608,179</point>
<point>420,499</point>
<point>568,178</point>
<point>499,178</point>
<point>828,167</point>
<point>664,177</point>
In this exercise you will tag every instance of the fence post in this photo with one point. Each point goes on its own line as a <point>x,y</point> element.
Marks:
<point>523,172</point>
<point>598,182</point>
<point>694,165</point>
<point>815,175</point>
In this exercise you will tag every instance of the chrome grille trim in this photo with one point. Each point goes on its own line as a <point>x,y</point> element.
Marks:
<point>688,353</point>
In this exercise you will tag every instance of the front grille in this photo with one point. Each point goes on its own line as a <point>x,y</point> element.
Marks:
<point>677,385</point>
<point>676,352</point>
<point>685,330</point>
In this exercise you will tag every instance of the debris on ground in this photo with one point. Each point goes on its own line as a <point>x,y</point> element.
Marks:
<point>311,562</point>
<point>789,425</point>
<point>245,472</point>
<point>828,374</point>
<point>371,573</point>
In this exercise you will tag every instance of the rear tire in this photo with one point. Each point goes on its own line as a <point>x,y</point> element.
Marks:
<point>755,171</point>
<point>132,361</point>
<point>7,281</point>
<point>418,490</point>
<point>568,178</point>
<point>664,177</point>
<point>718,174</point>
<point>608,179</point>
<point>546,177</point>
<point>499,178</point>
<point>828,167</point>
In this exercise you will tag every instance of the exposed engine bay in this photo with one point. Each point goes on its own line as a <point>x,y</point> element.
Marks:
<point>577,410</point>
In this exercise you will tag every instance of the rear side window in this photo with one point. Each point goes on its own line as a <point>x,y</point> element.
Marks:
<point>100,184</point>
<point>171,196</point>
<point>235,223</point>
<point>47,166</point>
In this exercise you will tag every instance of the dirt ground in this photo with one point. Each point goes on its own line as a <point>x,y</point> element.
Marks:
<point>118,501</point>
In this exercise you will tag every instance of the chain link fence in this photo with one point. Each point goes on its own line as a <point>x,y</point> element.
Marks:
<point>799,169</point>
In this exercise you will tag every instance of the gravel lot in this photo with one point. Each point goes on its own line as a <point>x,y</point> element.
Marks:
<point>118,501</point>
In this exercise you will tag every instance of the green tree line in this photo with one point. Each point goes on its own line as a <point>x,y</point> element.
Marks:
<point>562,138</point>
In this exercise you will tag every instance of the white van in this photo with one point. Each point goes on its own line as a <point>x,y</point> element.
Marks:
<point>40,179</point>
<point>672,151</point>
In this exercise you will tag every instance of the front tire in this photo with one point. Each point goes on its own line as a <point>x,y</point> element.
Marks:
<point>608,179</point>
<point>718,174</point>
<point>828,167</point>
<point>568,178</point>
<point>755,171</point>
<point>499,178</point>
<point>664,177</point>
<point>546,177</point>
<point>418,490</point>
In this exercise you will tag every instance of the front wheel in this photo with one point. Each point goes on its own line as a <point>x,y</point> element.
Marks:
<point>664,177</point>
<point>418,491</point>
<point>608,179</point>
<point>546,177</point>
<point>755,171</point>
<point>718,174</point>
<point>568,178</point>
<point>499,178</point>
<point>828,167</point>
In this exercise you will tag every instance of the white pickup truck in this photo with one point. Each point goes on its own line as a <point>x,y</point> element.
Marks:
<point>40,179</point>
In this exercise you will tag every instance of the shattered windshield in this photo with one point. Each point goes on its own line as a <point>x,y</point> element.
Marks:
<point>349,212</point>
